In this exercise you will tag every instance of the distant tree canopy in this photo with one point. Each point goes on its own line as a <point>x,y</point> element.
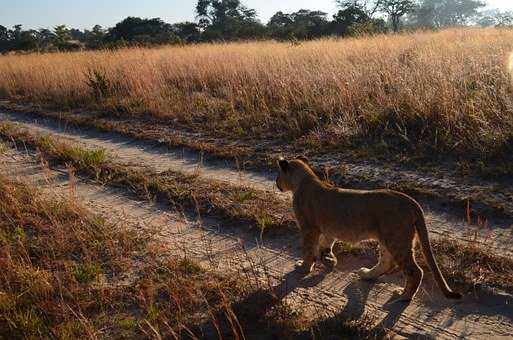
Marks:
<point>303,24</point>
<point>95,38</point>
<point>356,17</point>
<point>445,13</point>
<point>142,31</point>
<point>188,32</point>
<point>396,9</point>
<point>496,18</point>
<point>347,17</point>
<point>228,20</point>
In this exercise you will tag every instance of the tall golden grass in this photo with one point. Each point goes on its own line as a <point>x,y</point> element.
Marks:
<point>447,91</point>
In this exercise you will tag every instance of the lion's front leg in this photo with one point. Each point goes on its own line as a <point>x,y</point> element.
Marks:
<point>326,251</point>
<point>310,250</point>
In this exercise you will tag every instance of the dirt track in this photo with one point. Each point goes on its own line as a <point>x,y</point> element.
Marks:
<point>322,293</point>
<point>441,220</point>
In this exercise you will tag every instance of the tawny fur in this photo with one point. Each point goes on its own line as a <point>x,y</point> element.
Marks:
<point>325,214</point>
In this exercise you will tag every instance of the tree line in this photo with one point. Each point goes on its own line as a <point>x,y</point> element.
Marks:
<point>229,20</point>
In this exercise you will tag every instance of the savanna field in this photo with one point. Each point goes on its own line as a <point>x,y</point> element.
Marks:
<point>446,92</point>
<point>124,215</point>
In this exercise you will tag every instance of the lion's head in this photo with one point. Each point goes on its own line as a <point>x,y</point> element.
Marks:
<point>292,172</point>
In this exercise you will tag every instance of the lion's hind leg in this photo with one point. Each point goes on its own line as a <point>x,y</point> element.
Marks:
<point>412,271</point>
<point>385,265</point>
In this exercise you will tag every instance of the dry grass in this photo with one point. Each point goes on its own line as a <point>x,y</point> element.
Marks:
<point>447,91</point>
<point>52,254</point>
<point>64,276</point>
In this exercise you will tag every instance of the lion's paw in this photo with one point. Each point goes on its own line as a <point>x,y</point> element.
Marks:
<point>365,274</point>
<point>303,268</point>
<point>329,260</point>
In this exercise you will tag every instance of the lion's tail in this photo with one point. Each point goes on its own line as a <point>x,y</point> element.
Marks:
<point>420,227</point>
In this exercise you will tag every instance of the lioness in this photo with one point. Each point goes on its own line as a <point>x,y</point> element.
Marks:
<point>325,214</point>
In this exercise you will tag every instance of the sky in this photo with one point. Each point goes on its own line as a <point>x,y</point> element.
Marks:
<point>86,13</point>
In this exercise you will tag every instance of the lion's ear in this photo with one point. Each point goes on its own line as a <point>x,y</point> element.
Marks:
<point>284,164</point>
<point>303,159</point>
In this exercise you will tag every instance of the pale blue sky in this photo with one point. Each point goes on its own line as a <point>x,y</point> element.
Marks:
<point>86,13</point>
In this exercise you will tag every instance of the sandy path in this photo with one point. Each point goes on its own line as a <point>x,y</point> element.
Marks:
<point>498,233</point>
<point>321,294</point>
<point>489,196</point>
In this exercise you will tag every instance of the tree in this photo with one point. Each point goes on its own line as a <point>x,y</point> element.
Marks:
<point>314,24</point>
<point>17,39</point>
<point>444,13</point>
<point>133,30</point>
<point>62,36</point>
<point>27,41</point>
<point>303,24</point>
<point>218,12</point>
<point>356,17</point>
<point>15,33</point>
<point>4,33</point>
<point>76,34</point>
<point>496,18</point>
<point>188,32</point>
<point>396,9</point>
<point>95,38</point>
<point>370,7</point>
<point>350,14</point>
<point>372,26</point>
<point>280,25</point>
<point>4,39</point>
<point>504,19</point>
<point>228,20</point>
<point>46,38</point>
